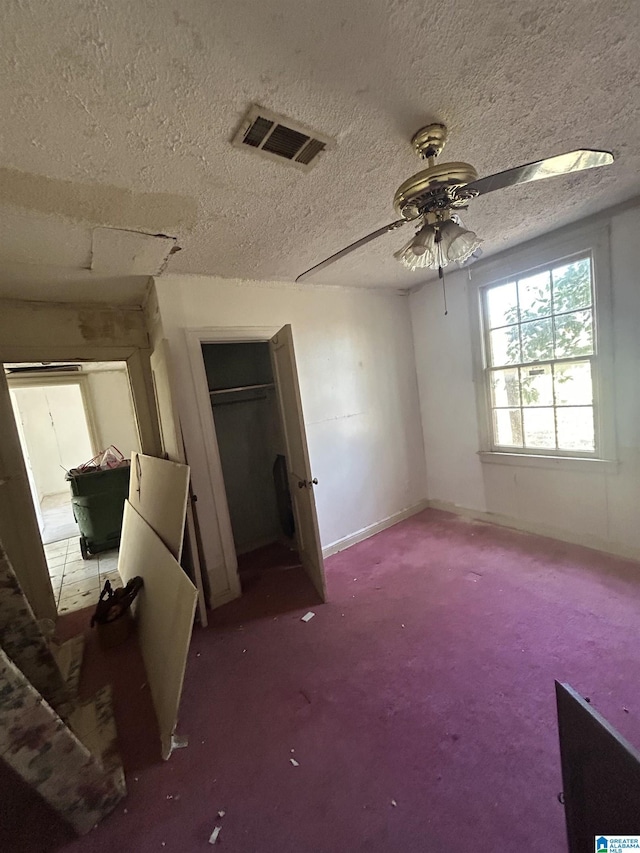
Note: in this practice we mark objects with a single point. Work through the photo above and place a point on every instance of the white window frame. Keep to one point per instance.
(537, 255)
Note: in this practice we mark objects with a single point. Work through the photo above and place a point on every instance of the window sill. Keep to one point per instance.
(557, 463)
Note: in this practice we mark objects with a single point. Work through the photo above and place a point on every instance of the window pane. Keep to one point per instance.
(573, 383)
(574, 334)
(539, 428)
(507, 427)
(537, 385)
(505, 387)
(572, 286)
(502, 305)
(535, 296)
(541, 346)
(537, 340)
(575, 429)
(505, 346)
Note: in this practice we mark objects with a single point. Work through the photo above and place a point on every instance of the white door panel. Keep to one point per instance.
(301, 480)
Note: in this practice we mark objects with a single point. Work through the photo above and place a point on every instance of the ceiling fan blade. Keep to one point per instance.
(563, 164)
(362, 242)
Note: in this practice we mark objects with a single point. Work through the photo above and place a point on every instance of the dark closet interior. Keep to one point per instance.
(252, 451)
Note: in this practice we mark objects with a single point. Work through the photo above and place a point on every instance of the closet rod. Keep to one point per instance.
(217, 403)
(242, 388)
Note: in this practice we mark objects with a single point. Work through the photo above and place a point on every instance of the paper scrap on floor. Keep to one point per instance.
(308, 616)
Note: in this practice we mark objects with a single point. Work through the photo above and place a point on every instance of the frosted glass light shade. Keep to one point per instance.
(420, 251)
(456, 245)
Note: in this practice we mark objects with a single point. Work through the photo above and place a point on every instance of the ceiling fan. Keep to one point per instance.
(432, 198)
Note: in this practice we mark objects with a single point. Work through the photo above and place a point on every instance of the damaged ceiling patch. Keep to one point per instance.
(119, 252)
(102, 204)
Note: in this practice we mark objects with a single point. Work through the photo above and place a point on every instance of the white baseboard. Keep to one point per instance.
(372, 529)
(63, 493)
(586, 540)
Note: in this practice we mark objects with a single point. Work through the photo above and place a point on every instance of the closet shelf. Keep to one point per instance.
(241, 388)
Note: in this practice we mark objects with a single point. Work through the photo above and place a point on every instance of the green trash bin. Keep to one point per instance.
(97, 498)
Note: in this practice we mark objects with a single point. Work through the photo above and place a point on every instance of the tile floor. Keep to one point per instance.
(77, 582)
(57, 516)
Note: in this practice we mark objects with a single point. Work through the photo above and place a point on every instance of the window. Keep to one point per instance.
(540, 359)
(542, 344)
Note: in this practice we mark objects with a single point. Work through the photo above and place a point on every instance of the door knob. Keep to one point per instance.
(307, 483)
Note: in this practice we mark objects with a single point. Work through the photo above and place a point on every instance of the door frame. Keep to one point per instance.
(34, 572)
(195, 338)
(138, 373)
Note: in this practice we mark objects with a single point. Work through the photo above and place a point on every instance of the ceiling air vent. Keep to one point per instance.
(279, 138)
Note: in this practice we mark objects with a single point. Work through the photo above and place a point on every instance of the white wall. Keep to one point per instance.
(599, 508)
(55, 431)
(358, 385)
(33, 411)
(109, 396)
(35, 493)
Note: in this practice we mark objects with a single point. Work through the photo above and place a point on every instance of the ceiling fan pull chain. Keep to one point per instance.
(444, 290)
(438, 241)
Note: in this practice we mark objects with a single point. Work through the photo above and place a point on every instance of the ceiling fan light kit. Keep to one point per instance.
(414, 260)
(432, 197)
(457, 242)
(441, 241)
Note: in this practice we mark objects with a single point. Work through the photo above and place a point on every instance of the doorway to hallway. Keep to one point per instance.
(65, 414)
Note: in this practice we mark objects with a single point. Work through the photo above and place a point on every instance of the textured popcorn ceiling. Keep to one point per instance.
(121, 114)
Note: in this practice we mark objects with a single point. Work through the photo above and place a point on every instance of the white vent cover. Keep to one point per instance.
(279, 138)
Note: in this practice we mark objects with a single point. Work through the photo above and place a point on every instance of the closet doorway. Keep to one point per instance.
(263, 458)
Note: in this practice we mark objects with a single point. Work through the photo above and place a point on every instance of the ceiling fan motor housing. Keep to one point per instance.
(440, 186)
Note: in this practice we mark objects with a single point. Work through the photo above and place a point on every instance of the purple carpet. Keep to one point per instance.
(418, 702)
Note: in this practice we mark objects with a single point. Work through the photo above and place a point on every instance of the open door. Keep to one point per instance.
(18, 525)
(301, 481)
(173, 449)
